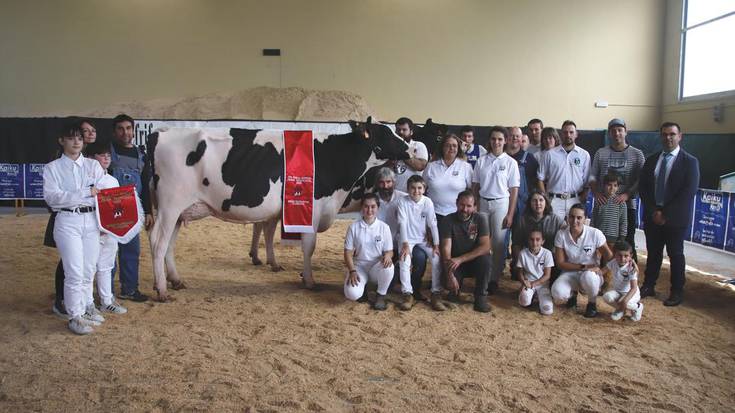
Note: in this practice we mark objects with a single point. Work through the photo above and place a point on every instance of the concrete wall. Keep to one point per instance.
(693, 116)
(474, 61)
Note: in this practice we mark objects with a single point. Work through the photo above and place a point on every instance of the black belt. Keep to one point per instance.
(563, 196)
(79, 210)
(493, 199)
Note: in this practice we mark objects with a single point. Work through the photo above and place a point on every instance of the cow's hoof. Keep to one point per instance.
(255, 259)
(276, 268)
(178, 285)
(311, 286)
(163, 297)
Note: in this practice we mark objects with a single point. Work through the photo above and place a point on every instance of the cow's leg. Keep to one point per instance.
(257, 228)
(270, 232)
(171, 274)
(160, 236)
(308, 244)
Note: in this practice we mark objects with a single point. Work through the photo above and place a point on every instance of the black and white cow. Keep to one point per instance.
(237, 176)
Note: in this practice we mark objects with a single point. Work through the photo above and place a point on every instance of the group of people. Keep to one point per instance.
(70, 183)
(465, 205)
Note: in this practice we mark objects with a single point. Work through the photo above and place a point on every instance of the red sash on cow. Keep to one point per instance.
(298, 191)
(120, 213)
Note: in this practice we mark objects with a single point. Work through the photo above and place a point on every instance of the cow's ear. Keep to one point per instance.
(369, 120)
(429, 122)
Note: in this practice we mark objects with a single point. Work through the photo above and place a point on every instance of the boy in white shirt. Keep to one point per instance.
(108, 244)
(368, 253)
(415, 215)
(536, 262)
(625, 294)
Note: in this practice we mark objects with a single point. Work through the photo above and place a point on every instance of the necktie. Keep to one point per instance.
(661, 180)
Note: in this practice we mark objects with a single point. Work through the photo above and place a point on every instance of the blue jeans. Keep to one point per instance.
(418, 267)
(129, 258)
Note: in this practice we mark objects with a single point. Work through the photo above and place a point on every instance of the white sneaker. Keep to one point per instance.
(79, 326)
(60, 312)
(617, 315)
(637, 313)
(92, 313)
(114, 308)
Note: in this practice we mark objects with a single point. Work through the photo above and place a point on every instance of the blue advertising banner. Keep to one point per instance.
(33, 180)
(730, 234)
(11, 181)
(710, 218)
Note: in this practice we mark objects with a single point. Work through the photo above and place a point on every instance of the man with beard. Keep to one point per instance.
(465, 249)
(534, 128)
(564, 171)
(406, 168)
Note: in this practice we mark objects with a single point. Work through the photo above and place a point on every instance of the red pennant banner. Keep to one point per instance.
(118, 210)
(298, 191)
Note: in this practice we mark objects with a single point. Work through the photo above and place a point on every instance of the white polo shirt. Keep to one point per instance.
(584, 250)
(414, 218)
(368, 241)
(621, 276)
(444, 183)
(403, 171)
(565, 173)
(388, 212)
(534, 265)
(496, 175)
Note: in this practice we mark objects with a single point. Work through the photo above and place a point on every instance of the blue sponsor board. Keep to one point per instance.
(730, 235)
(33, 180)
(11, 181)
(710, 218)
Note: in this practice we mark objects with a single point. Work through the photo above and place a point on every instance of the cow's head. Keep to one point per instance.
(383, 142)
(430, 134)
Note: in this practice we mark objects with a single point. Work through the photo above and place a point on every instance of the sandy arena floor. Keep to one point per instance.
(244, 339)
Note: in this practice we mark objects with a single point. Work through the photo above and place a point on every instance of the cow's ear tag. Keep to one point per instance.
(365, 134)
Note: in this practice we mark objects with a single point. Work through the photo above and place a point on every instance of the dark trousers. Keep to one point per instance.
(59, 281)
(479, 269)
(418, 267)
(129, 257)
(632, 225)
(672, 238)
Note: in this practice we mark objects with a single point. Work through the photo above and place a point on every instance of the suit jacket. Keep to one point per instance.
(680, 189)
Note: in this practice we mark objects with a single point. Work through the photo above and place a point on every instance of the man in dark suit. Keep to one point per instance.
(668, 183)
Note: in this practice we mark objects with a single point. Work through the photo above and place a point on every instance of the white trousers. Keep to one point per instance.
(545, 303)
(77, 239)
(404, 266)
(586, 282)
(496, 210)
(105, 263)
(612, 297)
(369, 271)
(561, 207)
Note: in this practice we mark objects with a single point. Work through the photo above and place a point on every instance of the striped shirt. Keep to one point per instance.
(611, 219)
(627, 164)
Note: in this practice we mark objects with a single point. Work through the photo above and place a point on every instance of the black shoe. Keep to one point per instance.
(572, 302)
(591, 310)
(380, 304)
(492, 287)
(135, 296)
(676, 298)
(482, 304)
(647, 291)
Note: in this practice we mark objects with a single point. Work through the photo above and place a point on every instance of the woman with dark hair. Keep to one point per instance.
(447, 176)
(549, 139)
(537, 215)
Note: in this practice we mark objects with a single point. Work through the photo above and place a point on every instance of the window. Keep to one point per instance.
(708, 42)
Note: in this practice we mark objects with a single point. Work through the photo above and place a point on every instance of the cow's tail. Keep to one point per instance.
(151, 142)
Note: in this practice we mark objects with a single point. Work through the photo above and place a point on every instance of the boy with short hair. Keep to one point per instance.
(108, 245)
(535, 263)
(415, 215)
(625, 294)
(608, 216)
